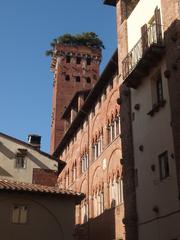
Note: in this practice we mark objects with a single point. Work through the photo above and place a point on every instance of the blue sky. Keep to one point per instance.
(26, 30)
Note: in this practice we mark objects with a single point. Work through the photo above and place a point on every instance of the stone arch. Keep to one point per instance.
(97, 178)
(83, 187)
(57, 225)
(84, 141)
(96, 126)
(114, 165)
(112, 105)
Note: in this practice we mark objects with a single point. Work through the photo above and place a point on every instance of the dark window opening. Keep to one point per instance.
(88, 80)
(88, 61)
(159, 89)
(78, 79)
(78, 60)
(67, 78)
(68, 58)
(164, 165)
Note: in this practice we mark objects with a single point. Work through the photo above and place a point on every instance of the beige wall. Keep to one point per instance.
(155, 134)
(141, 15)
(8, 150)
(49, 217)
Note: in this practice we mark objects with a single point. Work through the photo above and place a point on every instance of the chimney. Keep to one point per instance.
(35, 141)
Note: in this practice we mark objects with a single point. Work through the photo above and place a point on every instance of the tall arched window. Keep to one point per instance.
(115, 191)
(84, 211)
(98, 202)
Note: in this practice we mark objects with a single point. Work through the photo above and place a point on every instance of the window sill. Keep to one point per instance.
(156, 108)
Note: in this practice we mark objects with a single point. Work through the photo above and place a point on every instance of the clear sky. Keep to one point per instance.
(26, 30)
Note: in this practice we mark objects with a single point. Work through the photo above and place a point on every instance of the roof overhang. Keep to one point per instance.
(110, 2)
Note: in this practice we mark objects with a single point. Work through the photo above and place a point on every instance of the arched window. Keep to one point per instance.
(98, 202)
(74, 171)
(84, 162)
(84, 211)
(115, 191)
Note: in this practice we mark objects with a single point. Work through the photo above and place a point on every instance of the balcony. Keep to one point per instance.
(147, 52)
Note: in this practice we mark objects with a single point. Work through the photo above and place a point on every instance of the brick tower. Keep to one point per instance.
(75, 68)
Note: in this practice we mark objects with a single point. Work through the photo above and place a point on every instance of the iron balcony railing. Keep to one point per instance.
(151, 37)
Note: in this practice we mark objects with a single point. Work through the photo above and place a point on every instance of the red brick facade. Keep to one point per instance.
(72, 73)
(91, 149)
(44, 177)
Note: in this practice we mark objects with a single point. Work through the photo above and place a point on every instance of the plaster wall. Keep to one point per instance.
(48, 217)
(141, 15)
(34, 159)
(154, 133)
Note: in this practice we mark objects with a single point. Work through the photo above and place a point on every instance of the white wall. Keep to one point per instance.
(155, 134)
(8, 150)
(48, 217)
(142, 13)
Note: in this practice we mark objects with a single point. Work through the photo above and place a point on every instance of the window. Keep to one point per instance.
(20, 161)
(97, 147)
(19, 214)
(68, 58)
(84, 211)
(88, 61)
(113, 128)
(157, 89)
(163, 165)
(88, 80)
(67, 78)
(74, 171)
(84, 162)
(78, 79)
(115, 191)
(98, 202)
(78, 60)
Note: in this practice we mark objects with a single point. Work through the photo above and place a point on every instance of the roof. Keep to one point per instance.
(83, 92)
(106, 76)
(31, 147)
(14, 186)
(110, 2)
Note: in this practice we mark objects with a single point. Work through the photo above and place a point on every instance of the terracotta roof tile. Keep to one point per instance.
(35, 188)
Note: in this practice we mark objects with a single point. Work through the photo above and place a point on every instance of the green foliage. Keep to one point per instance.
(89, 39)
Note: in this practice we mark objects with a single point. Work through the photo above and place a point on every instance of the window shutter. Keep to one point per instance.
(157, 15)
(144, 35)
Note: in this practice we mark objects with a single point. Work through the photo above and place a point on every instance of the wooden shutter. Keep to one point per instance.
(144, 35)
(157, 15)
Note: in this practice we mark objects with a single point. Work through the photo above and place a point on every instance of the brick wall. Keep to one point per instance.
(63, 91)
(45, 177)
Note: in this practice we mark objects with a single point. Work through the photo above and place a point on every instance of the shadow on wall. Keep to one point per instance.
(101, 227)
(37, 161)
(4, 173)
(6, 151)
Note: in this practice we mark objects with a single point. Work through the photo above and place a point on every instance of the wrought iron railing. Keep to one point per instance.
(152, 36)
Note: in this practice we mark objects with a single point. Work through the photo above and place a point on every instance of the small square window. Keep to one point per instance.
(88, 61)
(68, 58)
(88, 80)
(19, 214)
(78, 79)
(20, 161)
(78, 60)
(67, 78)
(163, 165)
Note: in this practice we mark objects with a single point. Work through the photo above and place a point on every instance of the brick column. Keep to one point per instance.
(171, 23)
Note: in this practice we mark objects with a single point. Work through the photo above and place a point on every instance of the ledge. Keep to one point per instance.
(110, 2)
(156, 108)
